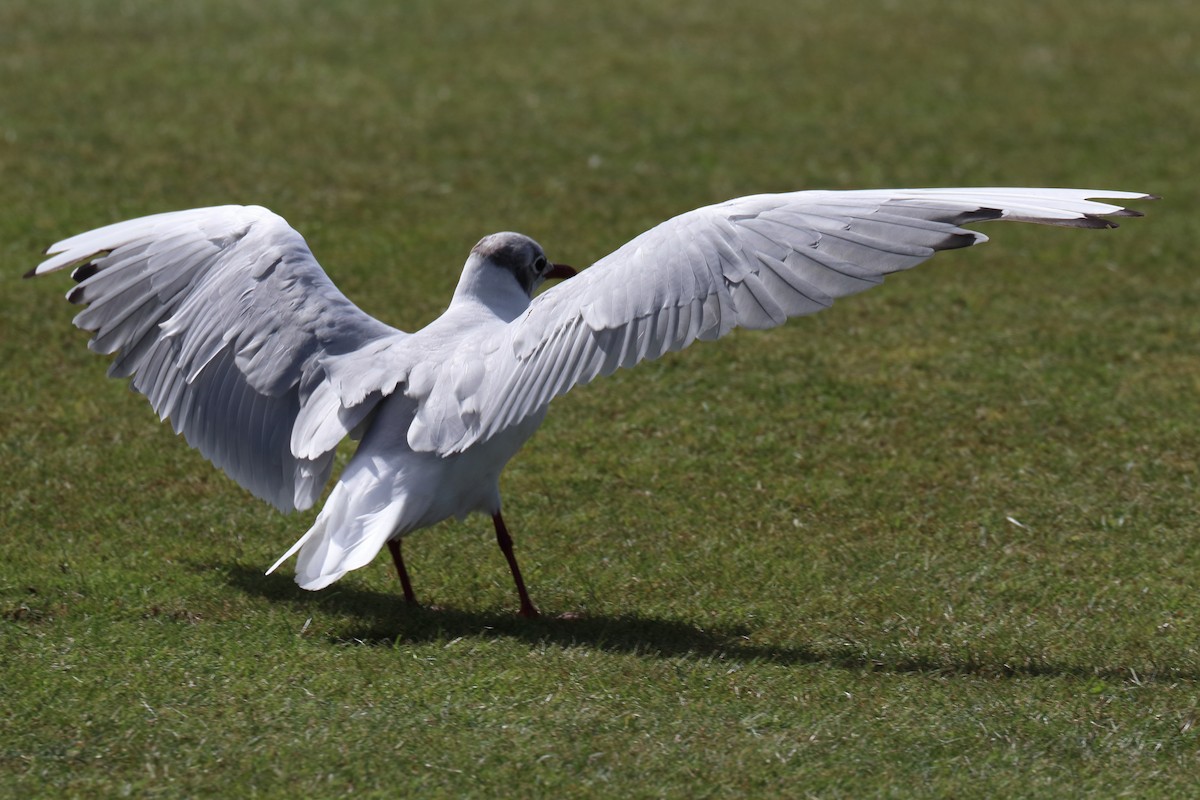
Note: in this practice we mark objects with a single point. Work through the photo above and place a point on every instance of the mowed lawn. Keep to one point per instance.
(939, 541)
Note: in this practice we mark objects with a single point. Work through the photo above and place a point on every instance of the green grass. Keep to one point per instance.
(795, 556)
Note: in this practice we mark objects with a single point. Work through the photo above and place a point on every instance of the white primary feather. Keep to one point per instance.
(224, 320)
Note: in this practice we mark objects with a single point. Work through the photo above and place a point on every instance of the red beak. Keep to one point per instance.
(560, 271)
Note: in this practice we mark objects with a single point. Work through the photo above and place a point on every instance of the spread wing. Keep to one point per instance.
(223, 318)
(752, 262)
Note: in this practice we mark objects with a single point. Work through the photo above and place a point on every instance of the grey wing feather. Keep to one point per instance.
(751, 262)
(223, 318)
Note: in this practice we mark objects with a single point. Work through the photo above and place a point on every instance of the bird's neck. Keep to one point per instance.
(485, 288)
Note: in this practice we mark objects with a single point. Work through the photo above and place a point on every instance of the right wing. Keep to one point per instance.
(752, 262)
(225, 321)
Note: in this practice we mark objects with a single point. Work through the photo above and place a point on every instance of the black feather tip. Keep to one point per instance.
(85, 271)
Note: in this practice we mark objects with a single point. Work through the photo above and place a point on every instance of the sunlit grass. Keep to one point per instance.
(939, 541)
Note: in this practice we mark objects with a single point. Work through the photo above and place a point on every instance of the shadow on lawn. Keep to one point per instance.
(389, 622)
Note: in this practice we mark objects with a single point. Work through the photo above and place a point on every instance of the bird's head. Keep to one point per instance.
(521, 256)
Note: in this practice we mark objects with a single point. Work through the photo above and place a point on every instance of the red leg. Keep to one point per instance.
(506, 546)
(394, 546)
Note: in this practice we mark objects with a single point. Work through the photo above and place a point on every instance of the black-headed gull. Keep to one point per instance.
(224, 320)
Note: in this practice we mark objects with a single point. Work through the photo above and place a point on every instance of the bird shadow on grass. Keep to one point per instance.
(385, 620)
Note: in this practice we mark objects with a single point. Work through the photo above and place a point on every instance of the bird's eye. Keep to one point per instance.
(540, 264)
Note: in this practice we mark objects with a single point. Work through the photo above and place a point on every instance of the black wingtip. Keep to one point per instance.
(85, 271)
(981, 214)
(956, 241)
(1088, 221)
(33, 272)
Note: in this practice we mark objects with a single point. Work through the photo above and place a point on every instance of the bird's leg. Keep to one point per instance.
(506, 546)
(394, 546)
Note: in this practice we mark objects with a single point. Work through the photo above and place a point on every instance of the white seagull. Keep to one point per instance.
(223, 318)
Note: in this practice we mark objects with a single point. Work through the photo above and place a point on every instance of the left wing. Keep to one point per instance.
(225, 321)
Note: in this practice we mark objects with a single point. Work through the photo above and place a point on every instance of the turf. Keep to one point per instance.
(941, 540)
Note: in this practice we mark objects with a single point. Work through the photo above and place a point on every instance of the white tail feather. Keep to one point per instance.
(351, 529)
